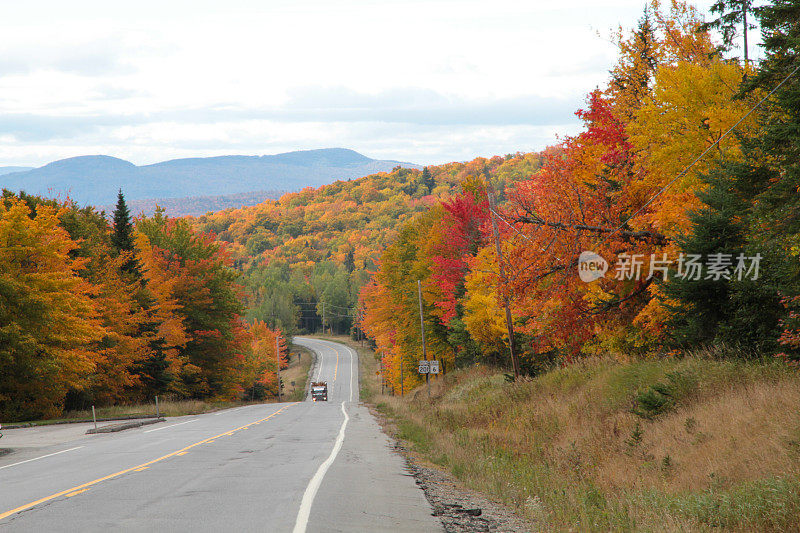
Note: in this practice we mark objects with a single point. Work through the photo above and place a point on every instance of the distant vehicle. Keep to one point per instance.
(319, 391)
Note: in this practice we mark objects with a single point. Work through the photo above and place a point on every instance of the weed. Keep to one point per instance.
(666, 464)
(663, 396)
(636, 437)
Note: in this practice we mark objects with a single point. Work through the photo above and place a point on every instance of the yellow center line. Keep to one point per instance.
(71, 494)
(336, 370)
(80, 488)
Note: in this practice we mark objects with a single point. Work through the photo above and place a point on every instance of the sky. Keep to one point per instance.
(427, 81)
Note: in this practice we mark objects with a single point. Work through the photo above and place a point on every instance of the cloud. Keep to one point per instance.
(425, 107)
(340, 105)
(92, 58)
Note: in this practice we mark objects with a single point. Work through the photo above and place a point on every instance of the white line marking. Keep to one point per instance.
(319, 369)
(171, 426)
(227, 411)
(313, 486)
(352, 352)
(42, 457)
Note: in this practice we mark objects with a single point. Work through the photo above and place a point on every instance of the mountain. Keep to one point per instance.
(96, 179)
(194, 206)
(9, 170)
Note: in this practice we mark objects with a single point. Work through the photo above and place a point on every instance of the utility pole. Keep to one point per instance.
(401, 377)
(422, 327)
(501, 266)
(745, 5)
(323, 318)
(278, 355)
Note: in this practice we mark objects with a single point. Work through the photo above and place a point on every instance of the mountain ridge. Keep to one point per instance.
(96, 179)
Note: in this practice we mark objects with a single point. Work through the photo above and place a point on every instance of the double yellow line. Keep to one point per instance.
(81, 488)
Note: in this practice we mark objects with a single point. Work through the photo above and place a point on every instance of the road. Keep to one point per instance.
(305, 466)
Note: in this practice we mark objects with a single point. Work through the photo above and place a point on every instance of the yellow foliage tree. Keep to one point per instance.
(47, 317)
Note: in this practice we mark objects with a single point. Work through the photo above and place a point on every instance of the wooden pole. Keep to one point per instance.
(401, 377)
(506, 299)
(278, 356)
(422, 327)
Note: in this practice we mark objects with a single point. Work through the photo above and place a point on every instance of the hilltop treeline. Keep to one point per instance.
(698, 229)
(305, 257)
(93, 312)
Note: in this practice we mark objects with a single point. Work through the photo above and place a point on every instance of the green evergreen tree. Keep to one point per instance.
(122, 234)
(122, 237)
(752, 207)
(734, 311)
(731, 14)
(427, 180)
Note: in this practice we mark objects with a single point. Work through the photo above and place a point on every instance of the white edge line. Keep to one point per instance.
(352, 353)
(170, 426)
(42, 457)
(313, 486)
(222, 412)
(319, 366)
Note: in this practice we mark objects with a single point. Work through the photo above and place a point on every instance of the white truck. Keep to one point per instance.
(319, 391)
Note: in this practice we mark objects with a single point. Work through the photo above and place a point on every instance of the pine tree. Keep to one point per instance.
(731, 14)
(732, 311)
(752, 207)
(427, 180)
(122, 235)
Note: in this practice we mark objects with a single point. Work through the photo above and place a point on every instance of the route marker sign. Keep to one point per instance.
(429, 367)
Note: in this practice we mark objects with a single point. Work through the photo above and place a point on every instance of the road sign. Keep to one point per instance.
(434, 369)
(424, 367)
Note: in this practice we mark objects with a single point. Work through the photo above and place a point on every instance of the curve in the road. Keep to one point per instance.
(304, 512)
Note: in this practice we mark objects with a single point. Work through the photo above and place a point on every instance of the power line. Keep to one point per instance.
(698, 158)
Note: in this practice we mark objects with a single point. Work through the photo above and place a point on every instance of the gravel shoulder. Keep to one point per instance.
(460, 509)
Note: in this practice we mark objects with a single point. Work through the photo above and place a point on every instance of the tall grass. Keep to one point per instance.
(674, 444)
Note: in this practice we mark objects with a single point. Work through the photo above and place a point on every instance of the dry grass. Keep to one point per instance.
(297, 373)
(166, 407)
(566, 448)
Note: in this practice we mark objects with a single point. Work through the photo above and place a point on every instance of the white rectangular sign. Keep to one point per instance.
(434, 367)
(424, 367)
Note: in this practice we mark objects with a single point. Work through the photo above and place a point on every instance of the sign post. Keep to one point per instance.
(422, 329)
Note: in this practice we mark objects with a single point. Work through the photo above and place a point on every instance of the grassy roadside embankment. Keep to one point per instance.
(690, 444)
(299, 364)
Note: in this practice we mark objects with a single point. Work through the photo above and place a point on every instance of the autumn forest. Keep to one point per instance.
(683, 185)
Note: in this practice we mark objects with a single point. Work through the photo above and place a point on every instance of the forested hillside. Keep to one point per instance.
(318, 247)
(104, 312)
(93, 312)
(669, 223)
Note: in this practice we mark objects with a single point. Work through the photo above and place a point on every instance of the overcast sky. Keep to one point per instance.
(423, 81)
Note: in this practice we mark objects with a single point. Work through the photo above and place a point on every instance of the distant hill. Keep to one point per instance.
(96, 179)
(9, 170)
(195, 206)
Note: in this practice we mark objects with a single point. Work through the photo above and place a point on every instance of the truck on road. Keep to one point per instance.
(319, 391)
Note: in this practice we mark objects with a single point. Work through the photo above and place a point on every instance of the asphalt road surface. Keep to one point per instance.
(306, 466)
